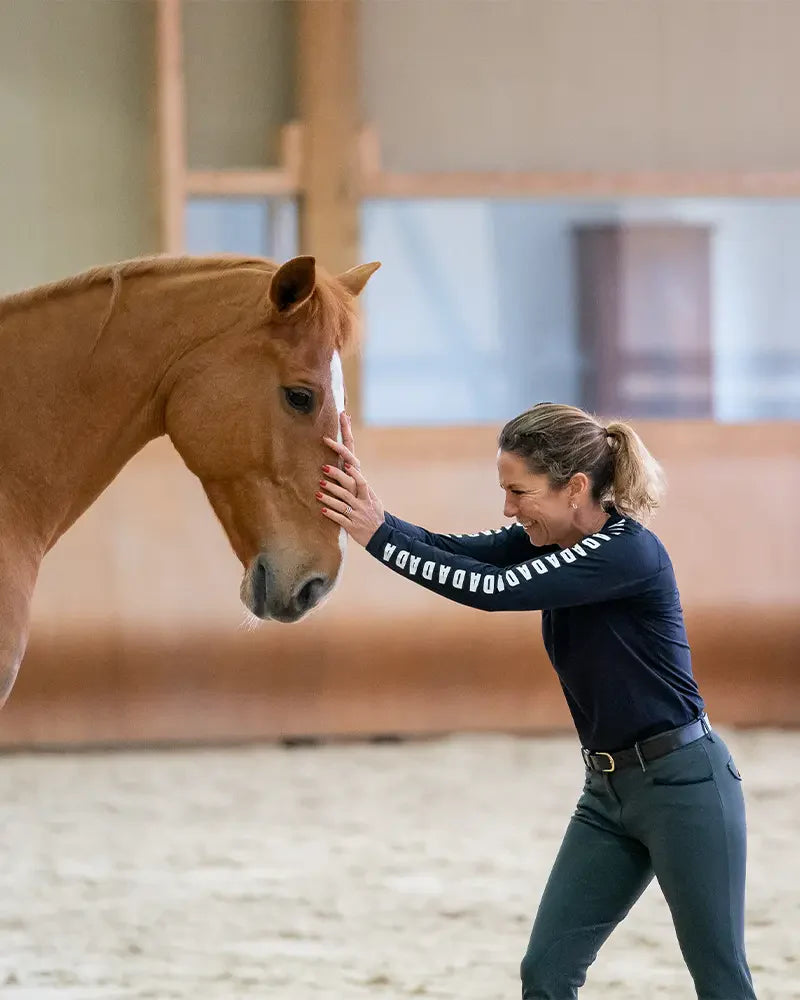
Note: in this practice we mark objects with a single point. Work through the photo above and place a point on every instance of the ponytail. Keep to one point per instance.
(638, 482)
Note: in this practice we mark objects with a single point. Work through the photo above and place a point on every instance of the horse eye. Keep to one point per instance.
(301, 400)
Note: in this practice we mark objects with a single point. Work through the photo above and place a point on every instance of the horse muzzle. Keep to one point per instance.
(269, 595)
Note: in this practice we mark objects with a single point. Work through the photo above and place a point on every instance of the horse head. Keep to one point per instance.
(247, 410)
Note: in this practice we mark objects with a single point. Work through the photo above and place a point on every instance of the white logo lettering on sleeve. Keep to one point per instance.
(402, 558)
(488, 585)
(577, 548)
(524, 571)
(513, 579)
(427, 570)
(474, 581)
(444, 572)
(500, 585)
(413, 565)
(458, 578)
(591, 543)
(388, 551)
(477, 534)
(599, 534)
(539, 566)
(552, 558)
(567, 556)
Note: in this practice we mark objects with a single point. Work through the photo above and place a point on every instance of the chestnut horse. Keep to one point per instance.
(236, 359)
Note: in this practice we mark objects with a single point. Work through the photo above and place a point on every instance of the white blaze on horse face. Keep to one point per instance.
(337, 386)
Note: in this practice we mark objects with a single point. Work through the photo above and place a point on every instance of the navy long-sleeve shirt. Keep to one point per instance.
(611, 615)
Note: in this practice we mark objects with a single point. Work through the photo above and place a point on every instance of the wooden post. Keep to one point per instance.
(171, 125)
(327, 86)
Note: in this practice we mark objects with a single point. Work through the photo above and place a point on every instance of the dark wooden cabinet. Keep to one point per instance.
(644, 301)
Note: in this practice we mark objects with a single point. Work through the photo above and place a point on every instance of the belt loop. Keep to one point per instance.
(639, 755)
(704, 723)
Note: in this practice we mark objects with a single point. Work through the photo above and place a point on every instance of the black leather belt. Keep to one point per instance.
(649, 749)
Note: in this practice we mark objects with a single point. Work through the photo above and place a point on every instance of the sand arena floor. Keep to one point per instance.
(341, 871)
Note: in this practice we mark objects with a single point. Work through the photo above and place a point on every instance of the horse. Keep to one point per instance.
(236, 359)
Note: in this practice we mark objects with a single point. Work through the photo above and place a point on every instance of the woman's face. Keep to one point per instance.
(543, 511)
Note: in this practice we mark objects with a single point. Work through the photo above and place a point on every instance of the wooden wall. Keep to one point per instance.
(137, 636)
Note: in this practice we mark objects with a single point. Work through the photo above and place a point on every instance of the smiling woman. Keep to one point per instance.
(662, 795)
(582, 470)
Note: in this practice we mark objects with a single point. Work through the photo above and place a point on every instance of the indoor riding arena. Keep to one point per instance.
(246, 752)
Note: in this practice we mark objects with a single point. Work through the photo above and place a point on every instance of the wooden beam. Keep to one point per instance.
(240, 183)
(581, 184)
(375, 182)
(277, 182)
(327, 85)
(171, 127)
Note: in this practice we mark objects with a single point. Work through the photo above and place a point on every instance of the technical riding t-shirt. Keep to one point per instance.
(611, 615)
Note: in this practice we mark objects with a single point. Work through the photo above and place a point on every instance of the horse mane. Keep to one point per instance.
(330, 311)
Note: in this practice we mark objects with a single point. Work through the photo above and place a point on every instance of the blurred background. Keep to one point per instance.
(590, 202)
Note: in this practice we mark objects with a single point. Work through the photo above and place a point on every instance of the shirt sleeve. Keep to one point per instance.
(619, 561)
(499, 547)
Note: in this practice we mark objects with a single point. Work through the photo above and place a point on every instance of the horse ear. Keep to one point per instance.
(355, 279)
(292, 284)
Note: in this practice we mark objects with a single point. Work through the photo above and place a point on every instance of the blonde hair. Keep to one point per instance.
(559, 441)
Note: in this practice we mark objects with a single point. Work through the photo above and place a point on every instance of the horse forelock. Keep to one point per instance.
(330, 316)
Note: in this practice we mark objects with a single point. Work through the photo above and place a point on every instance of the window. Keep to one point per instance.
(478, 310)
(262, 227)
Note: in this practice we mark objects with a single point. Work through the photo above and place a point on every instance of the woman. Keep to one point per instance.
(662, 795)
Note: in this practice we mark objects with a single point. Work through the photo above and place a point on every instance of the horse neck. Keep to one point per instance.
(82, 378)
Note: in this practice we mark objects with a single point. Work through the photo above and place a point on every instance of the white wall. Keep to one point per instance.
(239, 66)
(583, 84)
(77, 152)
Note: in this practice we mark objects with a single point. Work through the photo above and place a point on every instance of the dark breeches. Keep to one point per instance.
(681, 819)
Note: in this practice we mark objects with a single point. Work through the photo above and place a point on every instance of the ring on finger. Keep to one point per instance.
(348, 511)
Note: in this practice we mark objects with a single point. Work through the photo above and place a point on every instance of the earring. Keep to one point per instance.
(574, 506)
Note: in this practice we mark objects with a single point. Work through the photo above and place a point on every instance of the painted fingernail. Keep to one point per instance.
(318, 496)
(347, 465)
(324, 510)
(322, 482)
(326, 468)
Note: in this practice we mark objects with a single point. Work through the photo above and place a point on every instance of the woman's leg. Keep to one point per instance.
(696, 835)
(598, 875)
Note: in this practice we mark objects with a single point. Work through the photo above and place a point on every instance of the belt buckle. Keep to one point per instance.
(605, 770)
(587, 754)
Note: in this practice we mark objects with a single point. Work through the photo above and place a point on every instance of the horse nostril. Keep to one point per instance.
(309, 594)
(259, 585)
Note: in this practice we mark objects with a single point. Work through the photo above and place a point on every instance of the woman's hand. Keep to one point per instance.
(346, 496)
